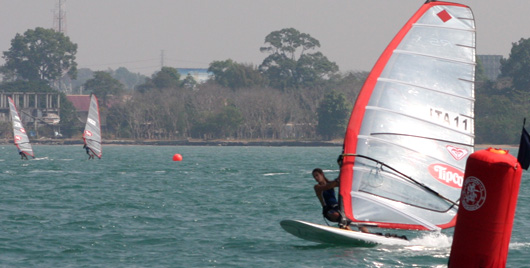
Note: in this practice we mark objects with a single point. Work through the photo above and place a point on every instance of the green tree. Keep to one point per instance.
(219, 125)
(167, 77)
(103, 85)
(189, 82)
(314, 69)
(228, 120)
(289, 63)
(128, 79)
(517, 66)
(83, 74)
(333, 113)
(40, 54)
(235, 75)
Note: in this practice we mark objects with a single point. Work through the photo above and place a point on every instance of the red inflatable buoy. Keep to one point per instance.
(487, 208)
(177, 157)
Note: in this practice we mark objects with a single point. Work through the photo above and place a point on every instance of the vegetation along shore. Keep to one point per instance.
(295, 96)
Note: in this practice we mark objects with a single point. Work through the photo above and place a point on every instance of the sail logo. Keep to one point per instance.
(88, 133)
(473, 194)
(17, 138)
(91, 121)
(447, 175)
(444, 15)
(457, 153)
(22, 130)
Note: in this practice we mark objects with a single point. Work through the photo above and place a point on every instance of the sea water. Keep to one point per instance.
(218, 207)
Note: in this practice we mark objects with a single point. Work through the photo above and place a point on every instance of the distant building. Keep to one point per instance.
(36, 108)
(81, 104)
(492, 65)
(200, 75)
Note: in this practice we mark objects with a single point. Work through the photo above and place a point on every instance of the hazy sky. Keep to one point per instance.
(193, 33)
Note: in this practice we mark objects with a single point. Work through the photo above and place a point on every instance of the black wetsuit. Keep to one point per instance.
(331, 204)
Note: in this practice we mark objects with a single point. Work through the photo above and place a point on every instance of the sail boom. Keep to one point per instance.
(414, 219)
(378, 168)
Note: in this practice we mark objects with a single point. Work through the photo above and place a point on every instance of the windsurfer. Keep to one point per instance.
(90, 154)
(325, 192)
(22, 155)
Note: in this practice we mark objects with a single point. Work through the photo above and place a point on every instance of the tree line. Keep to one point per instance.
(278, 99)
(295, 93)
(501, 105)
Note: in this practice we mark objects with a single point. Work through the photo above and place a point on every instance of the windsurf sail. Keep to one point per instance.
(19, 132)
(412, 126)
(92, 133)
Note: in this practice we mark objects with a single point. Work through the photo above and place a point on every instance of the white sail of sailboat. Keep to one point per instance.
(92, 133)
(19, 132)
(412, 126)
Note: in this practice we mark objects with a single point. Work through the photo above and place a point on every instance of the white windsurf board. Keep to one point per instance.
(333, 235)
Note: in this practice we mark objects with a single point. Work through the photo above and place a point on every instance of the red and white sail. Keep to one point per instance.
(412, 126)
(92, 133)
(19, 132)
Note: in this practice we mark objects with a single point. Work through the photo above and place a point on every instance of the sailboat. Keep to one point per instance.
(411, 129)
(92, 133)
(19, 133)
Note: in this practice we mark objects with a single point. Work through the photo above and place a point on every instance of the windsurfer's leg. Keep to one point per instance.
(333, 216)
(363, 229)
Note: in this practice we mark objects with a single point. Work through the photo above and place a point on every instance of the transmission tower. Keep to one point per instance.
(59, 17)
(161, 59)
(64, 83)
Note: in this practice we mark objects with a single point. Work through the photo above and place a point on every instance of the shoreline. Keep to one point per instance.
(189, 142)
(278, 143)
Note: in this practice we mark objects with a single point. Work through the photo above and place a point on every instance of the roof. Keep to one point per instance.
(80, 102)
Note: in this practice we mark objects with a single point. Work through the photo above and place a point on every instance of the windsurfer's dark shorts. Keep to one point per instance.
(330, 210)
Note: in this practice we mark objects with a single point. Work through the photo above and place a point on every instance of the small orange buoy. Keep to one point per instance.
(177, 157)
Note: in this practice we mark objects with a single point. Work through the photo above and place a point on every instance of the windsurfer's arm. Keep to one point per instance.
(321, 188)
(318, 192)
(329, 185)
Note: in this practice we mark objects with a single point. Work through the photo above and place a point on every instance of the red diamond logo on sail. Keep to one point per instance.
(457, 153)
(88, 133)
(22, 130)
(17, 137)
(444, 16)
